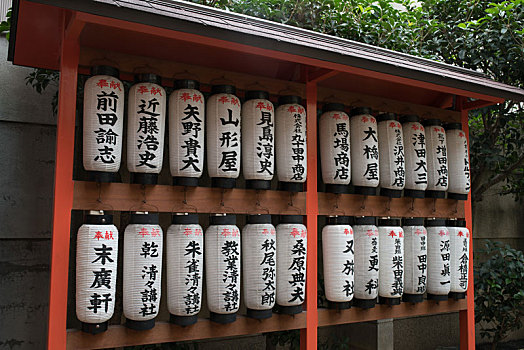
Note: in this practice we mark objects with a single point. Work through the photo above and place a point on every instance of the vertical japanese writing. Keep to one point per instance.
(231, 255)
(398, 269)
(102, 278)
(191, 126)
(370, 149)
(421, 261)
(418, 140)
(229, 138)
(148, 111)
(150, 271)
(268, 271)
(193, 251)
(398, 155)
(341, 146)
(298, 281)
(463, 264)
(297, 143)
(467, 185)
(372, 284)
(442, 159)
(445, 257)
(107, 107)
(348, 269)
(265, 140)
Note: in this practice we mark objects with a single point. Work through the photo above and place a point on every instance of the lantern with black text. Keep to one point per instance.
(259, 250)
(185, 266)
(258, 151)
(96, 271)
(222, 251)
(339, 268)
(146, 124)
(392, 161)
(439, 273)
(103, 123)
(415, 260)
(334, 148)
(187, 121)
(364, 151)
(291, 150)
(223, 136)
(291, 264)
(143, 245)
(458, 162)
(415, 156)
(391, 261)
(366, 262)
(436, 150)
(459, 263)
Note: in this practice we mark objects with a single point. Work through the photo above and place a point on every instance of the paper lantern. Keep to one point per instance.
(223, 136)
(458, 162)
(415, 260)
(146, 125)
(459, 263)
(338, 259)
(334, 148)
(415, 156)
(103, 123)
(259, 250)
(364, 151)
(258, 149)
(291, 146)
(291, 264)
(187, 121)
(437, 159)
(391, 261)
(96, 271)
(366, 262)
(222, 251)
(438, 285)
(392, 159)
(185, 267)
(143, 245)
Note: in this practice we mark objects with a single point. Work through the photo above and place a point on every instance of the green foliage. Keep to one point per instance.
(499, 291)
(5, 26)
(40, 79)
(289, 338)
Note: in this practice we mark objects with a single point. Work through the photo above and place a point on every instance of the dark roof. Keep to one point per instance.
(202, 20)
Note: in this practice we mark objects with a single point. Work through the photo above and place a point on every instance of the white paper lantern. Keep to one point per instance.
(143, 245)
(438, 285)
(96, 271)
(222, 251)
(391, 261)
(338, 259)
(103, 123)
(437, 158)
(258, 149)
(392, 159)
(415, 156)
(291, 264)
(334, 148)
(187, 121)
(458, 162)
(146, 125)
(366, 262)
(291, 146)
(223, 136)
(415, 260)
(259, 250)
(185, 268)
(459, 264)
(364, 151)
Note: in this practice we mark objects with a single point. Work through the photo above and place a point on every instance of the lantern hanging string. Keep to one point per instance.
(434, 205)
(144, 204)
(258, 207)
(291, 205)
(185, 206)
(222, 207)
(388, 204)
(336, 209)
(363, 204)
(412, 204)
(456, 207)
(100, 205)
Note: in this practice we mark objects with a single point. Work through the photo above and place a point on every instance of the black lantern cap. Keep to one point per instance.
(186, 84)
(223, 89)
(413, 222)
(333, 106)
(365, 220)
(291, 219)
(223, 220)
(148, 78)
(179, 219)
(386, 116)
(105, 70)
(453, 126)
(338, 220)
(259, 219)
(360, 110)
(257, 95)
(456, 223)
(432, 122)
(388, 222)
(102, 219)
(149, 218)
(435, 222)
(289, 99)
(408, 118)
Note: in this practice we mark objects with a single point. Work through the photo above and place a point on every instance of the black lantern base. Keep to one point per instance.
(458, 196)
(223, 182)
(185, 181)
(366, 191)
(436, 297)
(223, 318)
(183, 320)
(457, 295)
(101, 176)
(412, 298)
(435, 194)
(365, 303)
(339, 305)
(140, 325)
(389, 301)
(291, 186)
(94, 328)
(289, 310)
(144, 178)
(258, 184)
(414, 193)
(338, 189)
(387, 192)
(259, 314)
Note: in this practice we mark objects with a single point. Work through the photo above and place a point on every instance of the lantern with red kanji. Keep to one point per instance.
(187, 121)
(185, 268)
(146, 124)
(223, 136)
(415, 156)
(96, 271)
(339, 268)
(458, 162)
(437, 158)
(415, 260)
(103, 121)
(291, 264)
(391, 261)
(259, 264)
(222, 251)
(334, 148)
(459, 263)
(366, 262)
(291, 147)
(143, 245)
(392, 160)
(439, 270)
